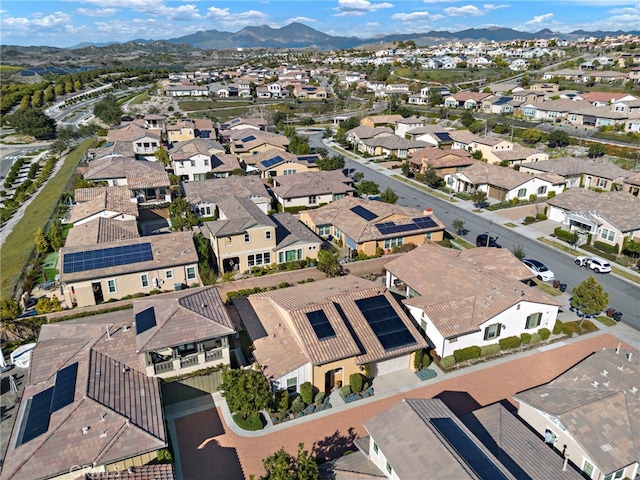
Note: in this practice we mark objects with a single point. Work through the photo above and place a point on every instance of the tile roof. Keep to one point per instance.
(211, 190)
(438, 158)
(407, 436)
(195, 146)
(363, 132)
(633, 179)
(518, 152)
(169, 250)
(247, 139)
(603, 96)
(117, 148)
(119, 411)
(91, 201)
(237, 215)
(312, 183)
(272, 153)
(224, 162)
(132, 132)
(393, 142)
(386, 119)
(291, 340)
(161, 471)
(340, 215)
(183, 317)
(563, 105)
(571, 166)
(101, 230)
(147, 180)
(291, 231)
(598, 402)
(461, 292)
(476, 96)
(109, 168)
(482, 173)
(619, 208)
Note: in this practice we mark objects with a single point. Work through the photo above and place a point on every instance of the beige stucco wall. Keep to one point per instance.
(235, 246)
(348, 366)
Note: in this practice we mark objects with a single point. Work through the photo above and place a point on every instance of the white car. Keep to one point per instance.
(539, 269)
(598, 265)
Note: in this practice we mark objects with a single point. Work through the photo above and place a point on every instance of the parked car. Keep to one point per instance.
(539, 269)
(598, 265)
(484, 240)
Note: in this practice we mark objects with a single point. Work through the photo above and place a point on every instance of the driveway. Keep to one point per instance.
(209, 449)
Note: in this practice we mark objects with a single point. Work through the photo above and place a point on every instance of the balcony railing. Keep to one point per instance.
(189, 360)
(162, 367)
(215, 354)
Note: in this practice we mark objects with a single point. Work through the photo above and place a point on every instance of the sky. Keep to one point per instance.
(65, 23)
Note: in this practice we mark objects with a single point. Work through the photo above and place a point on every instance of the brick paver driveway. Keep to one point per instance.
(208, 450)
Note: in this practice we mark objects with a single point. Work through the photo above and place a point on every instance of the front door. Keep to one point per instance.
(97, 292)
(330, 379)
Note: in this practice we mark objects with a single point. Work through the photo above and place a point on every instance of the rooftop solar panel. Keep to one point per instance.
(467, 449)
(321, 325)
(388, 327)
(363, 213)
(272, 161)
(248, 139)
(145, 320)
(308, 158)
(64, 389)
(425, 222)
(106, 257)
(35, 419)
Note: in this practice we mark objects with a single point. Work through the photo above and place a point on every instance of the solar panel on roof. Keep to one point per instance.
(387, 326)
(467, 449)
(64, 389)
(363, 212)
(272, 161)
(320, 323)
(35, 419)
(425, 222)
(145, 320)
(106, 257)
(308, 158)
(248, 139)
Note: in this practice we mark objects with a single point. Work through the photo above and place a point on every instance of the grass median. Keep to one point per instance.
(18, 247)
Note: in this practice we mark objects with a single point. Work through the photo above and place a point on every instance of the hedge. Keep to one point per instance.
(448, 361)
(557, 327)
(491, 349)
(562, 234)
(509, 342)
(306, 392)
(355, 382)
(544, 333)
(468, 353)
(252, 422)
(535, 338)
(605, 247)
(525, 338)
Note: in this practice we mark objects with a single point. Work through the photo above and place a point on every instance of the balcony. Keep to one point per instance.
(212, 355)
(189, 360)
(162, 367)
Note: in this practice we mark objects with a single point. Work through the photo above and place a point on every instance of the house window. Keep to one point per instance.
(607, 234)
(168, 274)
(289, 171)
(191, 273)
(587, 468)
(375, 448)
(338, 196)
(542, 190)
(267, 235)
(206, 162)
(187, 348)
(389, 469)
(338, 233)
(292, 385)
(290, 256)
(247, 237)
(602, 183)
(522, 192)
(614, 476)
(144, 279)
(313, 199)
(193, 163)
(324, 230)
(259, 259)
(111, 286)
(533, 320)
(492, 331)
(392, 242)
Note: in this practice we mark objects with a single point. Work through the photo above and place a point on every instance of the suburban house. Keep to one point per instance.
(95, 273)
(101, 230)
(248, 142)
(144, 141)
(609, 217)
(309, 91)
(374, 121)
(591, 413)
(500, 105)
(72, 419)
(467, 100)
(402, 127)
(184, 331)
(243, 237)
(115, 170)
(155, 122)
(205, 194)
(582, 172)
(183, 130)
(503, 183)
(390, 146)
(496, 150)
(118, 148)
(312, 188)
(369, 226)
(361, 133)
(434, 135)
(193, 159)
(322, 332)
(240, 123)
(554, 110)
(442, 161)
(597, 117)
(277, 163)
(632, 185)
(106, 202)
(490, 440)
(471, 298)
(186, 90)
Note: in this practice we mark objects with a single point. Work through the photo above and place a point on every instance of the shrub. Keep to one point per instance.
(367, 370)
(562, 234)
(569, 328)
(525, 338)
(355, 382)
(306, 392)
(491, 349)
(468, 353)
(345, 390)
(319, 400)
(544, 333)
(252, 422)
(164, 456)
(532, 197)
(282, 400)
(509, 342)
(541, 216)
(426, 361)
(417, 359)
(557, 327)
(535, 338)
(529, 220)
(297, 405)
(551, 194)
(448, 361)
(605, 247)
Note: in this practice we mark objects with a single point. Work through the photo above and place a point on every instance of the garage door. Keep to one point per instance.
(391, 365)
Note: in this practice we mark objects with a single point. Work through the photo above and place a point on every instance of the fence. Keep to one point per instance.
(191, 387)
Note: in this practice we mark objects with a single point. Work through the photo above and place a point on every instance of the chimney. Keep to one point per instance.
(428, 211)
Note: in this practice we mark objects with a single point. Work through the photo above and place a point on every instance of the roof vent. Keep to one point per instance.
(85, 430)
(273, 335)
(97, 373)
(595, 384)
(606, 384)
(606, 447)
(103, 434)
(604, 373)
(103, 417)
(204, 305)
(545, 394)
(629, 355)
(125, 328)
(575, 379)
(621, 367)
(633, 390)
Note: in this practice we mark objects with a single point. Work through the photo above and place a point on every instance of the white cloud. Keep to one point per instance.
(300, 20)
(100, 12)
(227, 19)
(38, 21)
(347, 8)
(488, 7)
(466, 11)
(416, 16)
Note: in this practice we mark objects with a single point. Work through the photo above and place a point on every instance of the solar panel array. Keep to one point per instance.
(272, 161)
(320, 323)
(106, 257)
(248, 139)
(308, 158)
(37, 413)
(467, 449)
(362, 212)
(145, 320)
(418, 223)
(388, 327)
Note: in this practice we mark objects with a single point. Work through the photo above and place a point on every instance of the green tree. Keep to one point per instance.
(477, 155)
(367, 187)
(34, 122)
(558, 138)
(518, 252)
(162, 155)
(328, 263)
(108, 110)
(531, 136)
(589, 297)
(389, 196)
(9, 309)
(431, 178)
(54, 236)
(458, 225)
(335, 162)
(406, 168)
(42, 245)
(246, 391)
(283, 466)
(181, 215)
(596, 150)
(479, 197)
(467, 118)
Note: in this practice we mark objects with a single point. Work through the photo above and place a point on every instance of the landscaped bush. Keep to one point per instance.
(345, 390)
(468, 353)
(551, 194)
(252, 422)
(605, 247)
(417, 359)
(509, 342)
(448, 361)
(297, 405)
(544, 333)
(319, 400)
(306, 392)
(491, 349)
(541, 216)
(529, 220)
(557, 327)
(535, 338)
(569, 328)
(355, 382)
(525, 338)
(562, 234)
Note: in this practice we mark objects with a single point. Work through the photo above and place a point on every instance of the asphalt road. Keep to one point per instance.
(623, 295)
